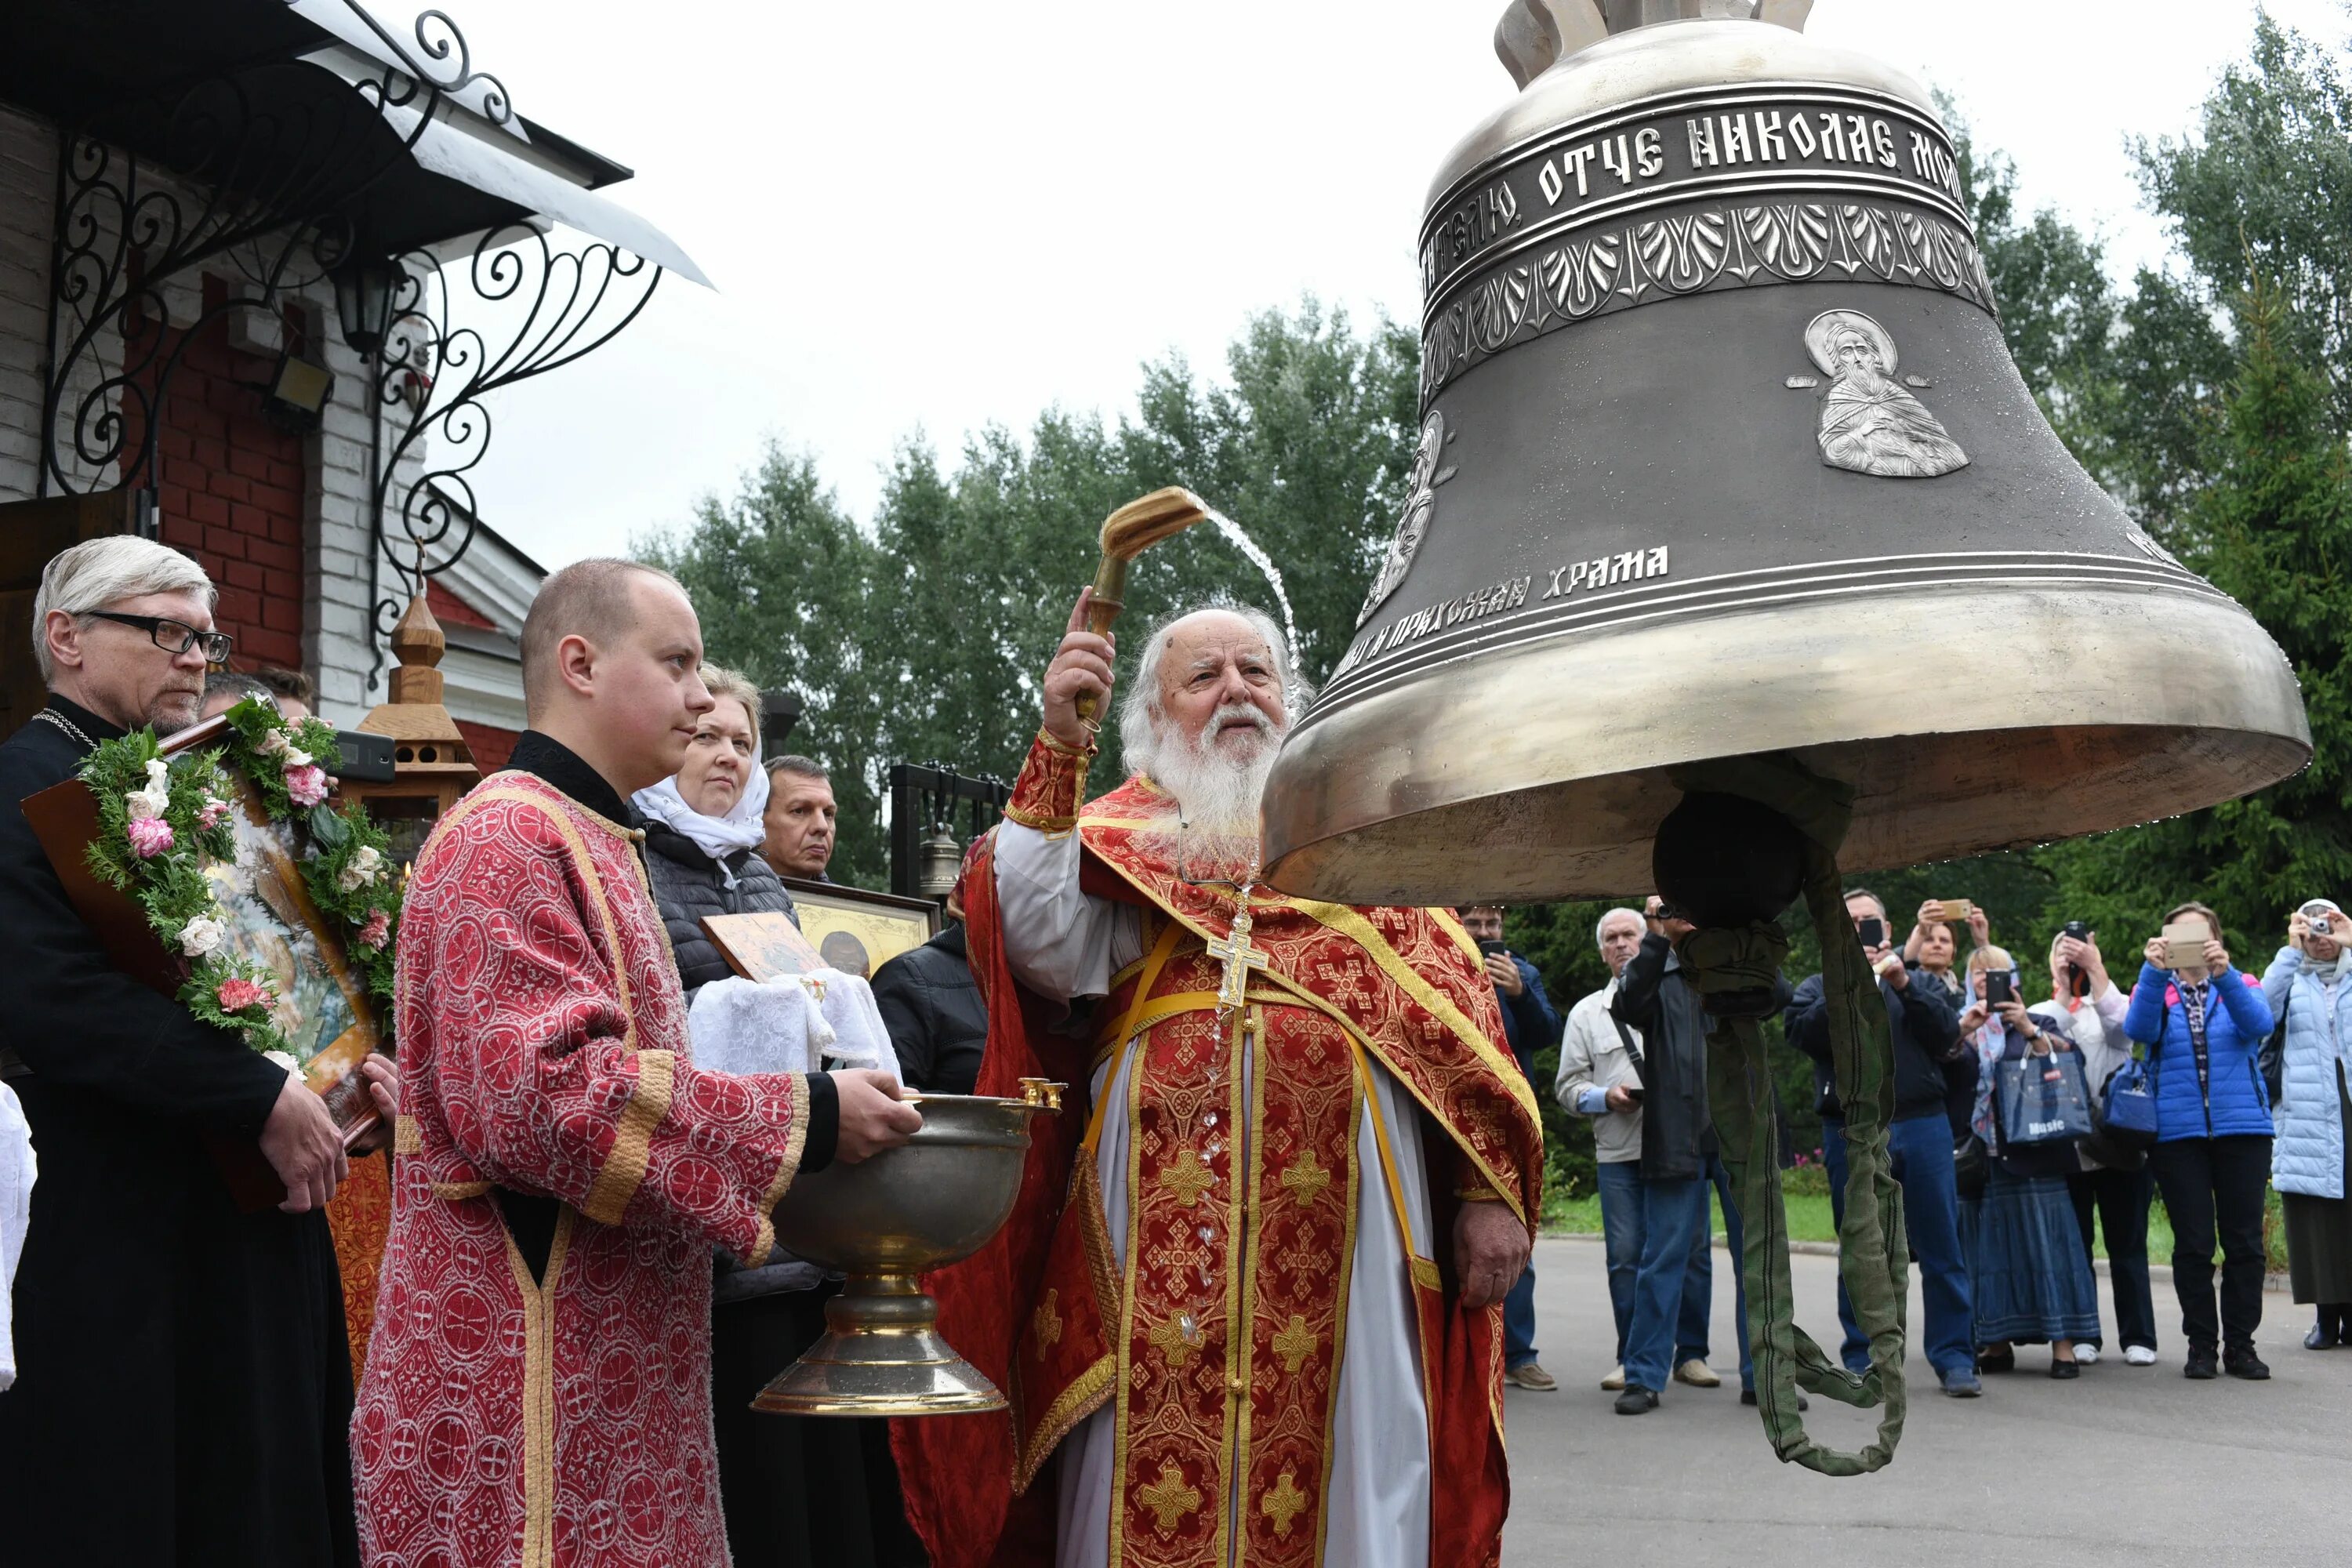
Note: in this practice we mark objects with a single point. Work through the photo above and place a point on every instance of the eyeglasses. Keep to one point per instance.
(173, 637)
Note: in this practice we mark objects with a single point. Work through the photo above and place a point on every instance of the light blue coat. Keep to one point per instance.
(2308, 1157)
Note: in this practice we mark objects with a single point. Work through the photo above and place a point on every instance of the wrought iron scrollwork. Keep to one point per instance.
(517, 308)
(252, 170)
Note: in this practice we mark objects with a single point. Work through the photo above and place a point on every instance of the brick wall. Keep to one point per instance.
(229, 484)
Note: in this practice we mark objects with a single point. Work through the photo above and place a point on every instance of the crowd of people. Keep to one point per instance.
(582, 1290)
(2004, 1214)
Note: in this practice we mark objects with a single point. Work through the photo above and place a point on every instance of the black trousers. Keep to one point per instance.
(2209, 1184)
(799, 1491)
(2117, 1202)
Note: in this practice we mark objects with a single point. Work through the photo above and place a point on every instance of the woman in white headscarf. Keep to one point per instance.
(703, 831)
(2312, 1113)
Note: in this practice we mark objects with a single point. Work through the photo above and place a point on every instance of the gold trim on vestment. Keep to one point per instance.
(1364, 1104)
(763, 1245)
(539, 1390)
(407, 1138)
(1247, 1024)
(1359, 930)
(624, 1170)
(1081, 1399)
(457, 1192)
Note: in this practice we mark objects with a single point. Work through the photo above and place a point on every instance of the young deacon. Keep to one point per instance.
(538, 1387)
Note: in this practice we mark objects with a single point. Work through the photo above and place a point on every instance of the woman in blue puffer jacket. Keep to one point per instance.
(2205, 1024)
(2306, 987)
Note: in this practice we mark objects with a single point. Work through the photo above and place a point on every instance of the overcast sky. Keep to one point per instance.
(934, 215)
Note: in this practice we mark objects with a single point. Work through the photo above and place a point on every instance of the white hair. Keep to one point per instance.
(1601, 926)
(1143, 739)
(101, 572)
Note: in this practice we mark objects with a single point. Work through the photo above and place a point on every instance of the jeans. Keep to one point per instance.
(1672, 1212)
(2119, 1201)
(1519, 1322)
(1623, 1227)
(2210, 1184)
(1919, 1151)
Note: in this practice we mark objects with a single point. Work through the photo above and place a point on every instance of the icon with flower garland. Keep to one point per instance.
(284, 908)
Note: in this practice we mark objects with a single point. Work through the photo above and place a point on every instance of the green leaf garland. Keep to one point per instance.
(161, 820)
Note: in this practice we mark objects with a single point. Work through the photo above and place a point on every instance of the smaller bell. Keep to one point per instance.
(938, 863)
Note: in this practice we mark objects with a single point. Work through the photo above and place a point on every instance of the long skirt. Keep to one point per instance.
(2319, 1231)
(2031, 1282)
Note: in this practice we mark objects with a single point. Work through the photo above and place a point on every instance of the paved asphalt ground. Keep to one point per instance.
(2132, 1467)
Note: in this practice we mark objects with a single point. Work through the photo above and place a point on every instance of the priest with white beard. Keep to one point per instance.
(1249, 1304)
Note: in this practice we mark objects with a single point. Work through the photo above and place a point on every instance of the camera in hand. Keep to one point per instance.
(1997, 989)
(1873, 930)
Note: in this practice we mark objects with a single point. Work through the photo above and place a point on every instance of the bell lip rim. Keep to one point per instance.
(1479, 145)
(2255, 695)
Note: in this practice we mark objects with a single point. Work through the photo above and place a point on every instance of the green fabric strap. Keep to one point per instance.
(1872, 1253)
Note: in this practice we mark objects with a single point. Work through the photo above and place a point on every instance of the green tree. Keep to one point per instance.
(923, 638)
(785, 582)
(2273, 529)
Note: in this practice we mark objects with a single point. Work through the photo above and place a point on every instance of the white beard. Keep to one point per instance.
(1213, 834)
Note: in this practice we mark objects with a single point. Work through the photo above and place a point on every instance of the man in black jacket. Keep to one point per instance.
(932, 1007)
(162, 1335)
(1925, 1031)
(1678, 1145)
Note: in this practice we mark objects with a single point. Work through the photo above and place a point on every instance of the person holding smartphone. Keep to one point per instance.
(1925, 1024)
(2309, 1164)
(2029, 1282)
(2113, 1189)
(2204, 1024)
(1530, 1024)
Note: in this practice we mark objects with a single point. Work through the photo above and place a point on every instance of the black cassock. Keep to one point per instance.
(184, 1392)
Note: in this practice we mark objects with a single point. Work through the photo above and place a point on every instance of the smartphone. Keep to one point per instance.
(1491, 949)
(2184, 942)
(1634, 1093)
(1872, 929)
(1997, 989)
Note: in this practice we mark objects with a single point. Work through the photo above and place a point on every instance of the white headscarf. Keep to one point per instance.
(716, 836)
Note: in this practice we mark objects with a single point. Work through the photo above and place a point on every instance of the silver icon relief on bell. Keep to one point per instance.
(1420, 507)
(1871, 424)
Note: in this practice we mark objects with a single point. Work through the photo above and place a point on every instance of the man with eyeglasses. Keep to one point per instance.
(194, 1350)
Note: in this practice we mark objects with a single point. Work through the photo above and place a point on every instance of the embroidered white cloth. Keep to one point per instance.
(16, 1172)
(792, 1023)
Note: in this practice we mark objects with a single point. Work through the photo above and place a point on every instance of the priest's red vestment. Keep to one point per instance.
(563, 1421)
(1217, 1342)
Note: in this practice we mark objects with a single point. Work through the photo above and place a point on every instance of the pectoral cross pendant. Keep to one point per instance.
(1238, 956)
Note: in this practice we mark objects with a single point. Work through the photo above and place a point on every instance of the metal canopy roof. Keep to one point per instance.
(129, 71)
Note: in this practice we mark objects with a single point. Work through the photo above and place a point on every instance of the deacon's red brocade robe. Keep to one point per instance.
(508, 1422)
(1225, 1324)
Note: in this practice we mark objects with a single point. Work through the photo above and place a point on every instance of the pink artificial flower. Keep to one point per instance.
(149, 836)
(307, 785)
(378, 930)
(237, 994)
(213, 813)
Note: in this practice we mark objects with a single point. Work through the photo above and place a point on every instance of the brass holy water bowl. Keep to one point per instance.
(882, 1222)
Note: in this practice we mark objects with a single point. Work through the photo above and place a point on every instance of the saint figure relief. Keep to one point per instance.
(1419, 505)
(1870, 422)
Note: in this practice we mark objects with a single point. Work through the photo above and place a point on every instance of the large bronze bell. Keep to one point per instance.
(1722, 452)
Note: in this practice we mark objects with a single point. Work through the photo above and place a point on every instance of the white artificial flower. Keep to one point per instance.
(202, 935)
(159, 778)
(144, 803)
(296, 757)
(364, 868)
(272, 742)
(285, 1059)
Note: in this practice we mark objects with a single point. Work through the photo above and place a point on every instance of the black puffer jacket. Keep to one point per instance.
(931, 1005)
(688, 885)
